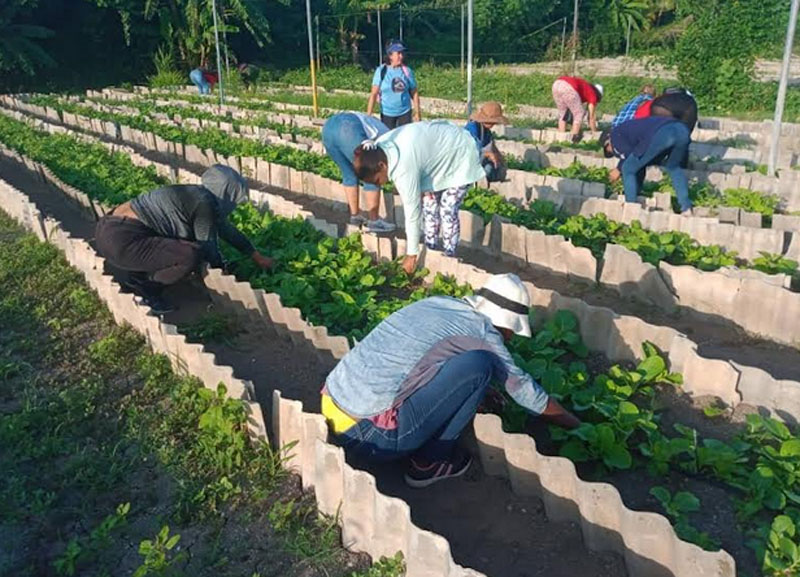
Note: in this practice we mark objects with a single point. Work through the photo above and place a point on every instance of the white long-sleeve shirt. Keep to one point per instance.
(428, 157)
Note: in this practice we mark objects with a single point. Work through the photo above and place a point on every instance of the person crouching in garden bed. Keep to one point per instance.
(570, 93)
(415, 382)
(480, 127)
(341, 135)
(431, 165)
(204, 80)
(643, 142)
(163, 236)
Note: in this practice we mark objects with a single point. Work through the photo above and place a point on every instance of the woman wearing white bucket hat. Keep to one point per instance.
(415, 382)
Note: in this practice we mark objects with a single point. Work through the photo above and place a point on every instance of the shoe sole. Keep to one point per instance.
(421, 484)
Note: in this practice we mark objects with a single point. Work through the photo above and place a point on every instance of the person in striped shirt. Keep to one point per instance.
(628, 111)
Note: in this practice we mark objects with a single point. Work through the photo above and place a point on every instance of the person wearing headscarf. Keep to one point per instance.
(162, 236)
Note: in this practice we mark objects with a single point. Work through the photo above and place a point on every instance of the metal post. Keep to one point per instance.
(219, 58)
(401, 23)
(469, 57)
(575, 38)
(319, 58)
(311, 59)
(628, 39)
(784, 81)
(462, 43)
(380, 39)
(225, 43)
(563, 37)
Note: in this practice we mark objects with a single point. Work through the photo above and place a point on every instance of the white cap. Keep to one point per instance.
(506, 302)
(599, 88)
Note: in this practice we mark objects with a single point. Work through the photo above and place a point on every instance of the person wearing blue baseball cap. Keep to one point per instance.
(395, 87)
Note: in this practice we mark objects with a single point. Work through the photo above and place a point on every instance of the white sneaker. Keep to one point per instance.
(687, 212)
(357, 219)
(380, 225)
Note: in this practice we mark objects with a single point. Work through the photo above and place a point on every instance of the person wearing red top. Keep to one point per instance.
(570, 93)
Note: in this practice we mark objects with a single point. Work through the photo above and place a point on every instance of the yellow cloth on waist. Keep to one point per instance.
(338, 420)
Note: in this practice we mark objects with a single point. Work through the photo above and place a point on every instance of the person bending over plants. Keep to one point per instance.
(570, 93)
(676, 103)
(341, 135)
(164, 235)
(434, 161)
(415, 382)
(628, 111)
(480, 127)
(204, 79)
(642, 142)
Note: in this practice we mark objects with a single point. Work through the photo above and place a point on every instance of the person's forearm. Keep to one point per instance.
(371, 103)
(417, 106)
(558, 415)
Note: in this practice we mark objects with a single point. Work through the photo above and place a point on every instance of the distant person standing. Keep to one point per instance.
(570, 93)
(203, 79)
(628, 111)
(395, 87)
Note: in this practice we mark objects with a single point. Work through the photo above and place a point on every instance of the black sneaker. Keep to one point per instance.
(419, 476)
(158, 306)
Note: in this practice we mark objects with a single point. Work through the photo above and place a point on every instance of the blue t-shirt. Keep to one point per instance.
(395, 89)
(483, 136)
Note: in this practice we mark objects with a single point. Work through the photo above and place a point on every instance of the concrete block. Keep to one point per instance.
(279, 175)
(594, 189)
(358, 509)
(429, 555)
(329, 477)
(625, 271)
(752, 219)
(513, 240)
(704, 376)
(786, 222)
(728, 214)
(296, 180)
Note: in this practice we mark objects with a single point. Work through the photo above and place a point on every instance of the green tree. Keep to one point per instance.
(19, 41)
(187, 26)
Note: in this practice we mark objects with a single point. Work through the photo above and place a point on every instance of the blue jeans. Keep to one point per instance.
(430, 421)
(341, 135)
(671, 140)
(196, 76)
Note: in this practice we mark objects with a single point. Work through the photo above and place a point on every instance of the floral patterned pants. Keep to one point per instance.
(440, 211)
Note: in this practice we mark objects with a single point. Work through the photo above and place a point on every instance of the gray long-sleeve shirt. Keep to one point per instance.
(198, 213)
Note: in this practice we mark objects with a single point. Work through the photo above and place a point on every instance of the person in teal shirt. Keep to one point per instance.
(432, 159)
(395, 86)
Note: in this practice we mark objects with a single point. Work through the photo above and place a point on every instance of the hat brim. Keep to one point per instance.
(478, 117)
(500, 317)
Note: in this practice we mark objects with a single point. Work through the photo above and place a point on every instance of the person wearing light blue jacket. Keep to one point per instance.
(395, 87)
(424, 158)
(416, 381)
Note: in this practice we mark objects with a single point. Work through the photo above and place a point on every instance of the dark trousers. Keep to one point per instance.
(153, 261)
(395, 121)
(430, 421)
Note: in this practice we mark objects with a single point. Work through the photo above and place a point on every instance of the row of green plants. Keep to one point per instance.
(102, 175)
(595, 232)
(149, 107)
(211, 138)
(702, 194)
(621, 430)
(152, 453)
(336, 284)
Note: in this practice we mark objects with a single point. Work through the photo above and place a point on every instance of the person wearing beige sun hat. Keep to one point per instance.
(480, 127)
